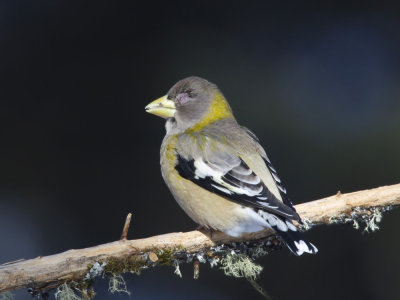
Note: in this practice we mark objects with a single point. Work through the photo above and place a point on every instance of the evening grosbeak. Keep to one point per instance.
(216, 169)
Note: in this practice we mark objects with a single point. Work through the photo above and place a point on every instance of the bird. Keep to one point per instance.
(217, 170)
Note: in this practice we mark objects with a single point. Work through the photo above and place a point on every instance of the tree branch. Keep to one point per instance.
(44, 273)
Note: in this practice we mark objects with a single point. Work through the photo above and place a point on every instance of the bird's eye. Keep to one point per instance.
(189, 92)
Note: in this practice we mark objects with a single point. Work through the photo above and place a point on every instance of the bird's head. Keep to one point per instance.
(191, 104)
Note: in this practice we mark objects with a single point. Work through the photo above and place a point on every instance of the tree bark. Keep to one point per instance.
(44, 273)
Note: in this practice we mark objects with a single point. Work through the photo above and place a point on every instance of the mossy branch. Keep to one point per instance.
(81, 266)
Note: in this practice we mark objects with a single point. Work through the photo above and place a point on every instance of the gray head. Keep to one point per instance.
(188, 102)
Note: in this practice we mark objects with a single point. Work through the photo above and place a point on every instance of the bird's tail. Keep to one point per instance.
(288, 232)
(296, 242)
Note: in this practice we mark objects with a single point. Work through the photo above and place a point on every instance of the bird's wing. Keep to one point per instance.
(223, 171)
(271, 170)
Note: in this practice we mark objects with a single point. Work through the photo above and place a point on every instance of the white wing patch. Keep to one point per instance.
(226, 191)
(273, 221)
(203, 170)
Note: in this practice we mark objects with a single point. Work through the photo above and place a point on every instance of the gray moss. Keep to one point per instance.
(235, 260)
(65, 292)
(117, 284)
(97, 269)
(177, 269)
(373, 220)
(361, 218)
(307, 224)
(240, 265)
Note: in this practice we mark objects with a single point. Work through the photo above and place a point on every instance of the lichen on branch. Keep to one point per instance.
(363, 208)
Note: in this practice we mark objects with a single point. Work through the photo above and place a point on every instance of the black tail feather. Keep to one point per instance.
(296, 242)
(288, 232)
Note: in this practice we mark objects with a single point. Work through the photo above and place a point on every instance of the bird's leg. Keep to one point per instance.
(201, 227)
(207, 229)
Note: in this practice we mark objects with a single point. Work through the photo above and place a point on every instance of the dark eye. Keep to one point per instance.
(190, 93)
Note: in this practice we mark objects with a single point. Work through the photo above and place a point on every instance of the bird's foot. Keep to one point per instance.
(206, 229)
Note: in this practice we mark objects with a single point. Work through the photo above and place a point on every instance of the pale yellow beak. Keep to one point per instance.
(162, 107)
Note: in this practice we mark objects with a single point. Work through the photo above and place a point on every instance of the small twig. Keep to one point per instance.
(13, 262)
(259, 288)
(196, 269)
(124, 234)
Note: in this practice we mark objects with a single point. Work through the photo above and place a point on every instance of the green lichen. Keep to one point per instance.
(65, 292)
(373, 220)
(306, 225)
(361, 217)
(229, 257)
(118, 266)
(115, 266)
(177, 269)
(338, 219)
(117, 284)
(165, 257)
(240, 265)
(136, 263)
(259, 251)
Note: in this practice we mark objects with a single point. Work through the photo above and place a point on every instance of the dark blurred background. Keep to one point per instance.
(317, 82)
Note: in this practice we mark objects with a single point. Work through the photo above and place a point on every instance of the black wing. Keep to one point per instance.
(237, 183)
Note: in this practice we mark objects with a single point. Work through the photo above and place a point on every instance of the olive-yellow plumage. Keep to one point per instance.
(219, 110)
(216, 169)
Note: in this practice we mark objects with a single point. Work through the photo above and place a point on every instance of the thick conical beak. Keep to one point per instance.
(162, 107)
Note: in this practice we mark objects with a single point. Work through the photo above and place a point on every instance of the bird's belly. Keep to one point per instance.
(211, 210)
